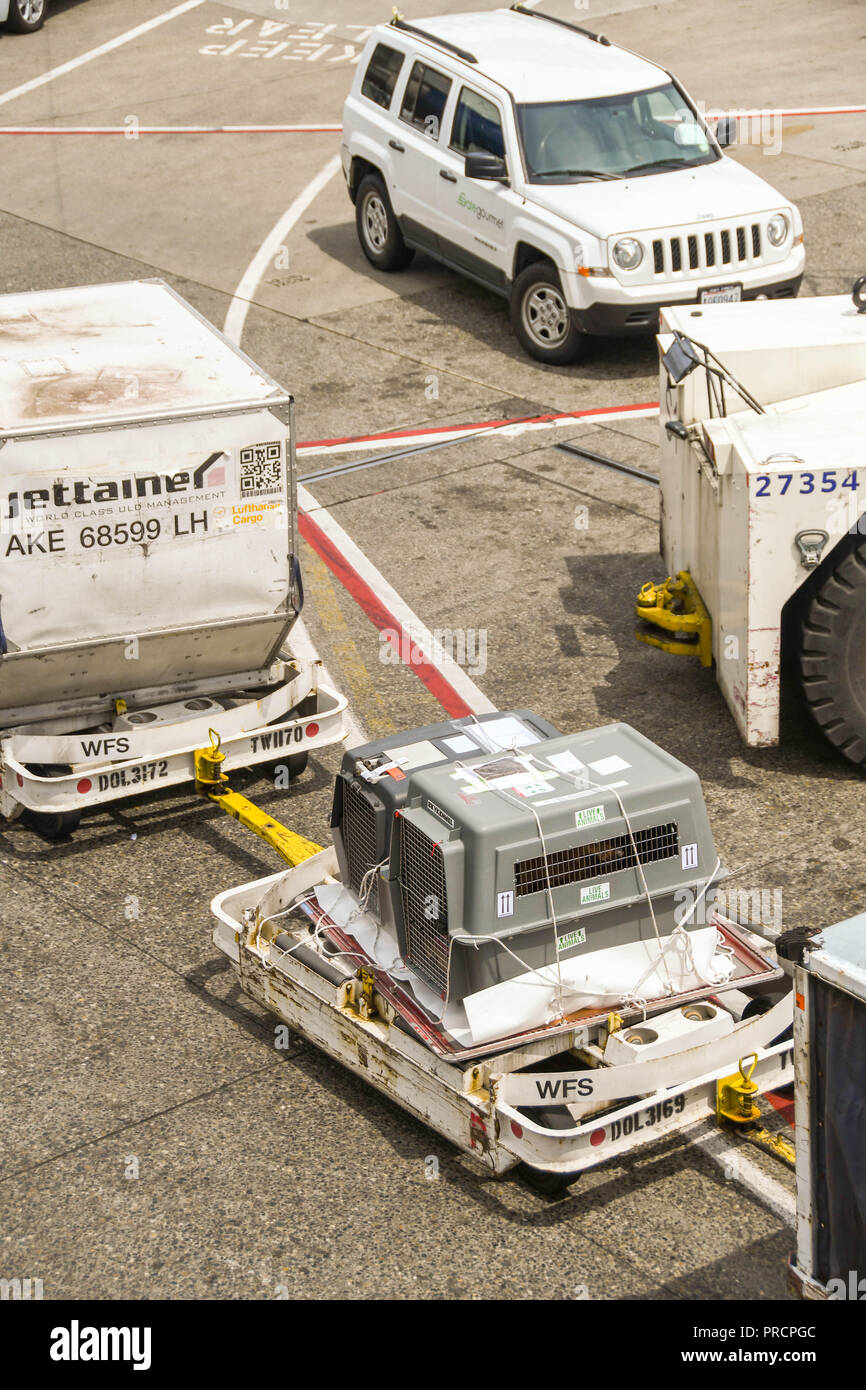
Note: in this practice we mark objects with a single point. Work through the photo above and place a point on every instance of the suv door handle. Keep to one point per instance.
(395, 145)
(444, 174)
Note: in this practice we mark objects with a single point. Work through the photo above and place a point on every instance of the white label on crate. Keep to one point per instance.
(461, 744)
(605, 766)
(572, 938)
(532, 789)
(567, 762)
(690, 856)
(505, 904)
(595, 893)
(591, 815)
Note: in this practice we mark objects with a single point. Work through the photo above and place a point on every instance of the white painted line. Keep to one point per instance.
(239, 308)
(510, 429)
(236, 318)
(406, 623)
(133, 132)
(331, 128)
(103, 48)
(740, 1168)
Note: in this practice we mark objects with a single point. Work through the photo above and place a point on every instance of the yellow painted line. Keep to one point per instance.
(360, 689)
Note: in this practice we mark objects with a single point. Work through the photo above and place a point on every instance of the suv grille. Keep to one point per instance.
(729, 246)
(425, 906)
(359, 837)
(596, 860)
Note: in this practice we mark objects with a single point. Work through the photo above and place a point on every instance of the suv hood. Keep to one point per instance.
(651, 202)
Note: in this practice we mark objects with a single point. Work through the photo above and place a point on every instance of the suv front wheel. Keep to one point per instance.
(541, 318)
(26, 15)
(380, 236)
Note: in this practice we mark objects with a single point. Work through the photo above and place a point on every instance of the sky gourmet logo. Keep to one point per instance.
(77, 1343)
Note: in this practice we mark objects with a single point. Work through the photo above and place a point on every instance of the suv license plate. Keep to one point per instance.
(722, 294)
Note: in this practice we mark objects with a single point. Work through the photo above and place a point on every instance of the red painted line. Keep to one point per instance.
(481, 425)
(784, 1105)
(380, 617)
(786, 112)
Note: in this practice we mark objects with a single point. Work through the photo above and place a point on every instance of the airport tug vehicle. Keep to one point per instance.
(149, 576)
(516, 936)
(763, 507)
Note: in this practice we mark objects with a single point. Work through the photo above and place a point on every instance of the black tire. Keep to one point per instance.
(295, 762)
(378, 232)
(26, 16)
(57, 825)
(51, 825)
(833, 648)
(548, 1184)
(541, 319)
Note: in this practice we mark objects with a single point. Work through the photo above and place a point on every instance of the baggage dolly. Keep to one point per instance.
(549, 1099)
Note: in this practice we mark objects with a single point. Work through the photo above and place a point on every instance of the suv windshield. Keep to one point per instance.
(610, 137)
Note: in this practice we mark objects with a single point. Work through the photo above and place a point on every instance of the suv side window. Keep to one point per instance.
(477, 127)
(380, 79)
(424, 99)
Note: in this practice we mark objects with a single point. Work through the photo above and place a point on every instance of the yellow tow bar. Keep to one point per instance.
(212, 782)
(735, 1105)
(676, 608)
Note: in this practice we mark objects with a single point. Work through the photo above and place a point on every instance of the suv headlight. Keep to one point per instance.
(777, 229)
(628, 253)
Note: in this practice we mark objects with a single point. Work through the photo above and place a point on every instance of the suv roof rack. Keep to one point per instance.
(399, 22)
(565, 23)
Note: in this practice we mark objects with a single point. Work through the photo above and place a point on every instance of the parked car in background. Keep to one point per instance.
(571, 176)
(23, 15)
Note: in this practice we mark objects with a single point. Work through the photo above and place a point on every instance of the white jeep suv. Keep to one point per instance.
(564, 172)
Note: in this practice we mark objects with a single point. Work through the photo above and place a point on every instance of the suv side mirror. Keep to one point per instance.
(726, 131)
(486, 166)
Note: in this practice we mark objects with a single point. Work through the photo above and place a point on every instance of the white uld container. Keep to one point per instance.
(147, 522)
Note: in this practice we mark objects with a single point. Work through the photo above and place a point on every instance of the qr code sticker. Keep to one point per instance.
(261, 470)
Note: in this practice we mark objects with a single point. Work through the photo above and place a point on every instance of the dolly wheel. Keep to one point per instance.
(549, 1184)
(295, 762)
(53, 825)
(833, 648)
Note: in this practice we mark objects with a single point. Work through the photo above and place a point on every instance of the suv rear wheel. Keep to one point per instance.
(26, 15)
(541, 318)
(380, 236)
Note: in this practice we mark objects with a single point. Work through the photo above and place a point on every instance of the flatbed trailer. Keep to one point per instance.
(547, 1100)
